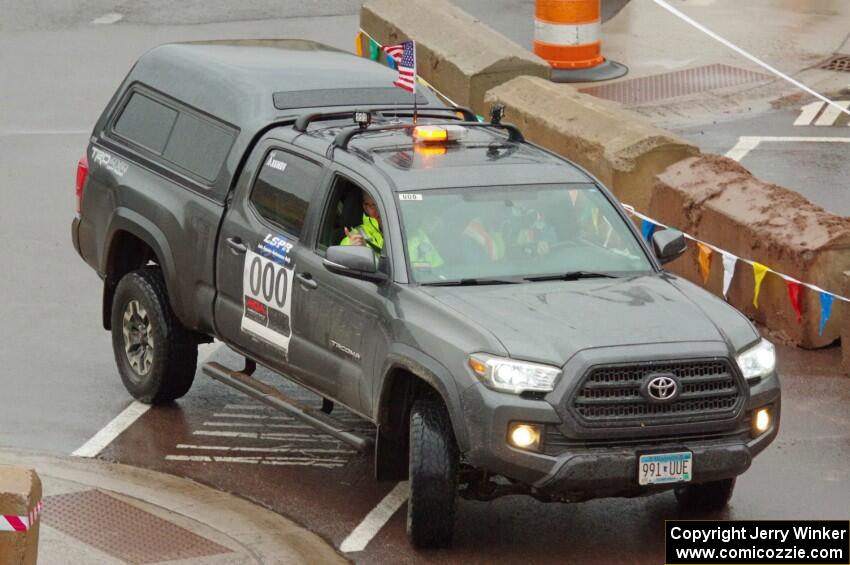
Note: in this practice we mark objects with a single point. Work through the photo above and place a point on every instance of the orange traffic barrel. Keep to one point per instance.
(566, 34)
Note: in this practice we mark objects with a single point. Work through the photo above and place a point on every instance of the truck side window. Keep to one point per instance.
(344, 209)
(146, 122)
(283, 190)
(199, 145)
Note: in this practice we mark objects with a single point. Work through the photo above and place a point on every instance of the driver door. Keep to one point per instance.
(259, 270)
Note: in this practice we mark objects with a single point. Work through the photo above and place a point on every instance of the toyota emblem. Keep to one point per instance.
(661, 388)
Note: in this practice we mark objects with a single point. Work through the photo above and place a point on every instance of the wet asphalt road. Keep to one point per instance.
(327, 487)
(59, 383)
(811, 159)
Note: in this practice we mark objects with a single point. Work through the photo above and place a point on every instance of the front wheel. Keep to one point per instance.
(156, 355)
(433, 475)
(706, 497)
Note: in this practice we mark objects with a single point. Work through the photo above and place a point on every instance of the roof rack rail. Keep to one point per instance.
(303, 122)
(344, 137)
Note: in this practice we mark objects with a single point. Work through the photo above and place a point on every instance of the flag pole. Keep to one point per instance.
(415, 71)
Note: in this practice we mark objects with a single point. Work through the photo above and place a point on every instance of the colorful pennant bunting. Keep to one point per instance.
(704, 260)
(794, 297)
(759, 271)
(647, 228)
(358, 44)
(729, 261)
(374, 49)
(825, 309)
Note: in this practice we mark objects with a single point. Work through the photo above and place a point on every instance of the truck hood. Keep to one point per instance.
(551, 321)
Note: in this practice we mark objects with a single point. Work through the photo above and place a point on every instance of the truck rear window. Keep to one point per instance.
(192, 142)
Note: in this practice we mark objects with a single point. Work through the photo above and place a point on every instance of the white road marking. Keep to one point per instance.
(830, 115)
(259, 425)
(129, 415)
(360, 537)
(747, 143)
(264, 449)
(249, 416)
(808, 113)
(270, 436)
(244, 407)
(107, 19)
(303, 462)
(206, 350)
(250, 435)
(744, 146)
(112, 430)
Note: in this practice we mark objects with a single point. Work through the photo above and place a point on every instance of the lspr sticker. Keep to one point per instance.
(276, 248)
(267, 300)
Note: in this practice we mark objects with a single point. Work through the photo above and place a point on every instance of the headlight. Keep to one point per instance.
(758, 361)
(508, 375)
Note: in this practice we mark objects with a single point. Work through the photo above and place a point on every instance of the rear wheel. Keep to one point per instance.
(706, 497)
(156, 355)
(433, 475)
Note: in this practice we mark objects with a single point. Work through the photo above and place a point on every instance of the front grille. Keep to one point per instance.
(610, 395)
(555, 443)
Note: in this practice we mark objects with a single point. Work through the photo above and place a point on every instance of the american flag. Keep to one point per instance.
(404, 55)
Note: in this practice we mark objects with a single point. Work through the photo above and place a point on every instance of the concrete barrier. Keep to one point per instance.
(621, 148)
(845, 327)
(20, 504)
(459, 55)
(718, 201)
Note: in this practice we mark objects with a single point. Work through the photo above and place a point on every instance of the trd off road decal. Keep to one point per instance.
(109, 162)
(267, 307)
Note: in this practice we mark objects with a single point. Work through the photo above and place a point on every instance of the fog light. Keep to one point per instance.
(524, 436)
(761, 422)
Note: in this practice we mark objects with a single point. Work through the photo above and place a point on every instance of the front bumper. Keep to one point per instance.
(598, 467)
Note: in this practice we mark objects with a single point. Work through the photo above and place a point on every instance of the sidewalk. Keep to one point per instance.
(103, 513)
(679, 77)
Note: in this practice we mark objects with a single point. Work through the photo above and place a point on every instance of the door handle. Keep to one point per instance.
(236, 245)
(307, 280)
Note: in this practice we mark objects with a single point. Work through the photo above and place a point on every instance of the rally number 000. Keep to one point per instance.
(268, 284)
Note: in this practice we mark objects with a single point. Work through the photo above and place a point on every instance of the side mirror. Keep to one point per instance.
(356, 261)
(668, 245)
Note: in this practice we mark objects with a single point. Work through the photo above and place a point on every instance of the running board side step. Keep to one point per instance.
(276, 399)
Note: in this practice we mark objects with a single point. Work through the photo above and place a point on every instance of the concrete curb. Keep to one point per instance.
(719, 201)
(620, 148)
(269, 537)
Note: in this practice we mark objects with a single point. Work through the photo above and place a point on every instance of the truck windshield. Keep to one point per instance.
(516, 233)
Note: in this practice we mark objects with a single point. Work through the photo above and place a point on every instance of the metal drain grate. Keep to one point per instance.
(838, 63)
(122, 530)
(678, 83)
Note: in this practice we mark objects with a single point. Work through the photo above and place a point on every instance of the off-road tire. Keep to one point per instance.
(706, 497)
(433, 475)
(175, 351)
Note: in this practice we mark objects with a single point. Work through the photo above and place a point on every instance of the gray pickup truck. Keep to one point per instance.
(494, 312)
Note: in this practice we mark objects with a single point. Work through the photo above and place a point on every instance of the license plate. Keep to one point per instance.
(661, 468)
